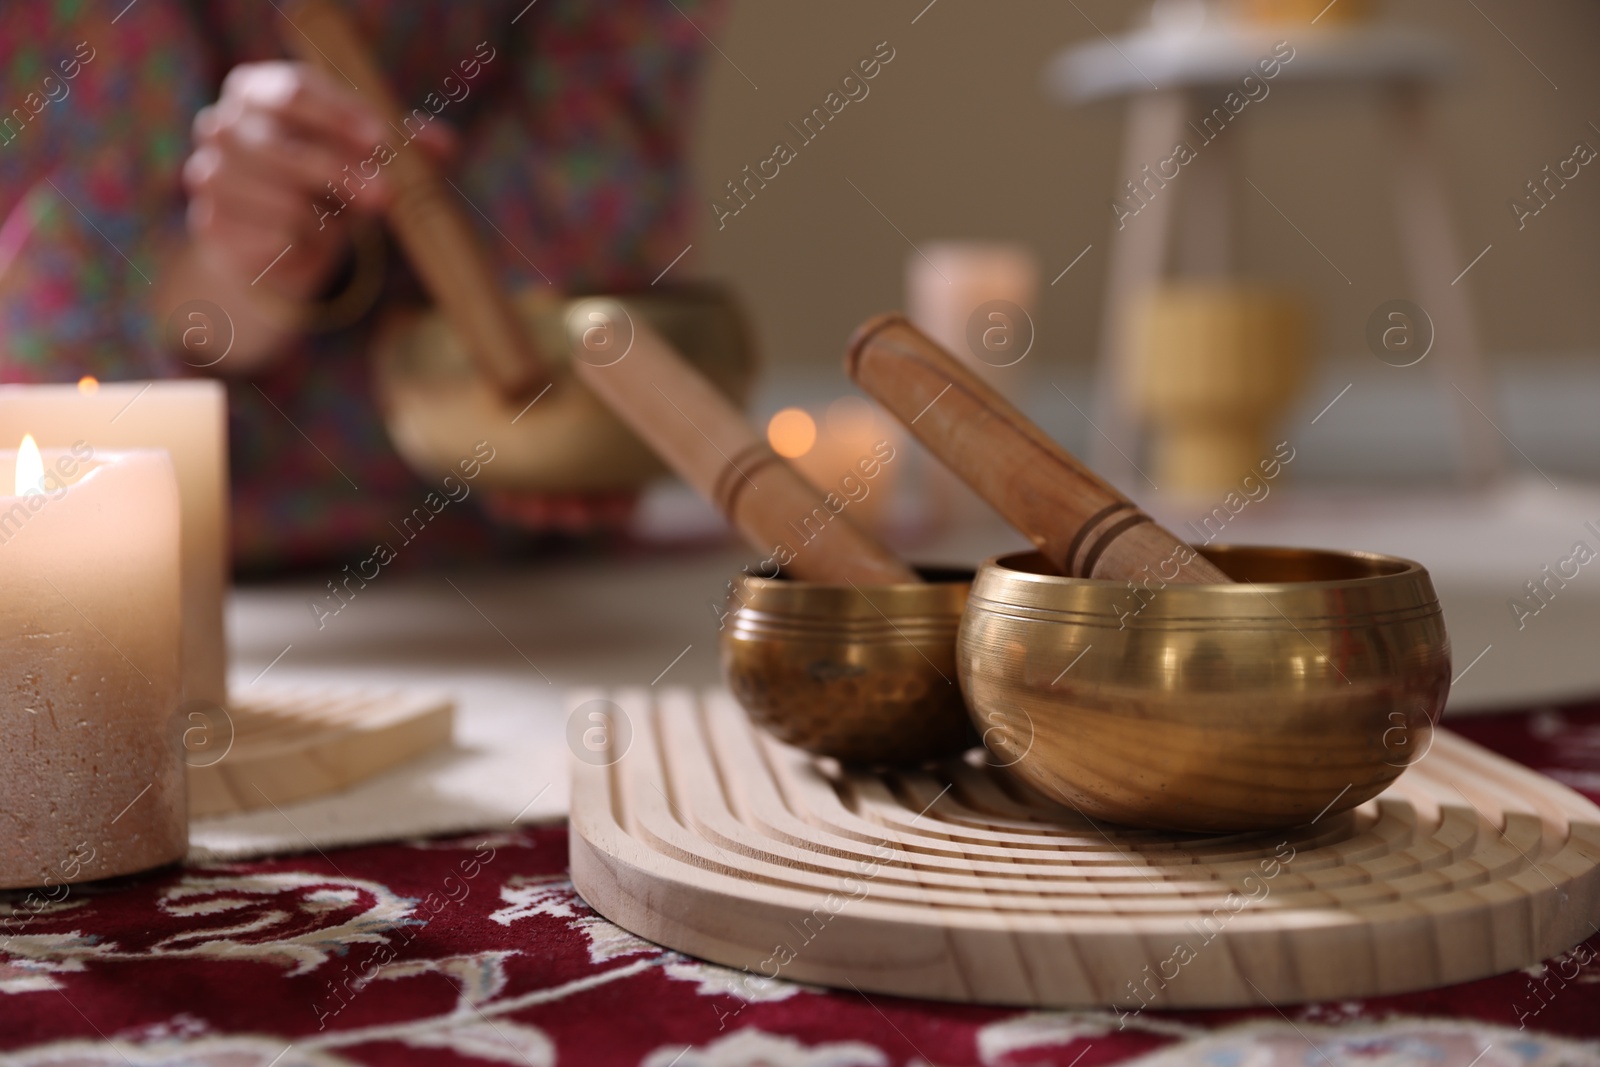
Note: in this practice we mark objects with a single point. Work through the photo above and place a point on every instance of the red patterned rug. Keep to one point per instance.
(477, 950)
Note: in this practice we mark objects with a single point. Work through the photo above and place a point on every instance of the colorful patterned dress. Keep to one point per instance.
(572, 143)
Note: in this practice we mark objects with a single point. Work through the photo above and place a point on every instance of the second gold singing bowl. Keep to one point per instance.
(865, 674)
(437, 406)
(1296, 694)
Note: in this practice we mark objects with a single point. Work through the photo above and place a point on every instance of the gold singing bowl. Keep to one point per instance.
(866, 674)
(438, 407)
(1298, 693)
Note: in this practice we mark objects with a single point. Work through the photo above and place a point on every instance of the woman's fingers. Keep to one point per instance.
(282, 162)
(307, 100)
(261, 146)
(439, 139)
(230, 185)
(241, 246)
(288, 155)
(269, 206)
(249, 224)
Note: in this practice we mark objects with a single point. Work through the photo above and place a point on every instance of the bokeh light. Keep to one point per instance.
(791, 433)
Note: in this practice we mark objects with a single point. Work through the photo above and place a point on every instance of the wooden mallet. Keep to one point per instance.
(439, 241)
(698, 432)
(1081, 525)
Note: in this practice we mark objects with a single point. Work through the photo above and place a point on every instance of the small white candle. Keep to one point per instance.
(188, 418)
(976, 298)
(92, 780)
(849, 454)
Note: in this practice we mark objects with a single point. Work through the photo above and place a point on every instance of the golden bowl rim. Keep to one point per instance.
(1403, 590)
(776, 602)
(761, 583)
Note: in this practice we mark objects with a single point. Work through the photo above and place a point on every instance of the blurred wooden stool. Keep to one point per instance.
(1165, 71)
(1218, 364)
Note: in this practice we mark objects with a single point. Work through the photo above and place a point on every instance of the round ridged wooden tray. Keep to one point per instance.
(953, 883)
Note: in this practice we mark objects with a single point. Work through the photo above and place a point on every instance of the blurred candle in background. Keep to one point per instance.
(976, 298)
(851, 451)
(188, 418)
(92, 778)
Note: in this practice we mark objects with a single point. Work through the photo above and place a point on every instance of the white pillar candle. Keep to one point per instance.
(188, 418)
(91, 764)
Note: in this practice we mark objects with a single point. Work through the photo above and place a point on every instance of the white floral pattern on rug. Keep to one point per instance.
(29, 960)
(1398, 1043)
(608, 941)
(216, 1051)
(1043, 1029)
(751, 1046)
(478, 976)
(716, 980)
(527, 897)
(287, 918)
(483, 1038)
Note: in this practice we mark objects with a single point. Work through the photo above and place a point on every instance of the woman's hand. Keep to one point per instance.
(269, 156)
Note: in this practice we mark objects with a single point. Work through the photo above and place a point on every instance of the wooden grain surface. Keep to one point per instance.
(283, 747)
(439, 241)
(698, 432)
(708, 837)
(1082, 525)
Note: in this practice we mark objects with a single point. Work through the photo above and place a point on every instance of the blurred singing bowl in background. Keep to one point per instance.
(1298, 693)
(437, 406)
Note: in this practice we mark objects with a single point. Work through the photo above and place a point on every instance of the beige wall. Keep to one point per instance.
(956, 139)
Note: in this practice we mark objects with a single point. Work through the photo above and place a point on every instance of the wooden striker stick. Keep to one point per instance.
(700, 434)
(438, 240)
(1082, 526)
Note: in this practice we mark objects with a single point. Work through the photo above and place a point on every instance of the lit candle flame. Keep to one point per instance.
(88, 385)
(30, 467)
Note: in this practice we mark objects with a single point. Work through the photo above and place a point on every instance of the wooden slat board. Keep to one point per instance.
(711, 838)
(294, 745)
